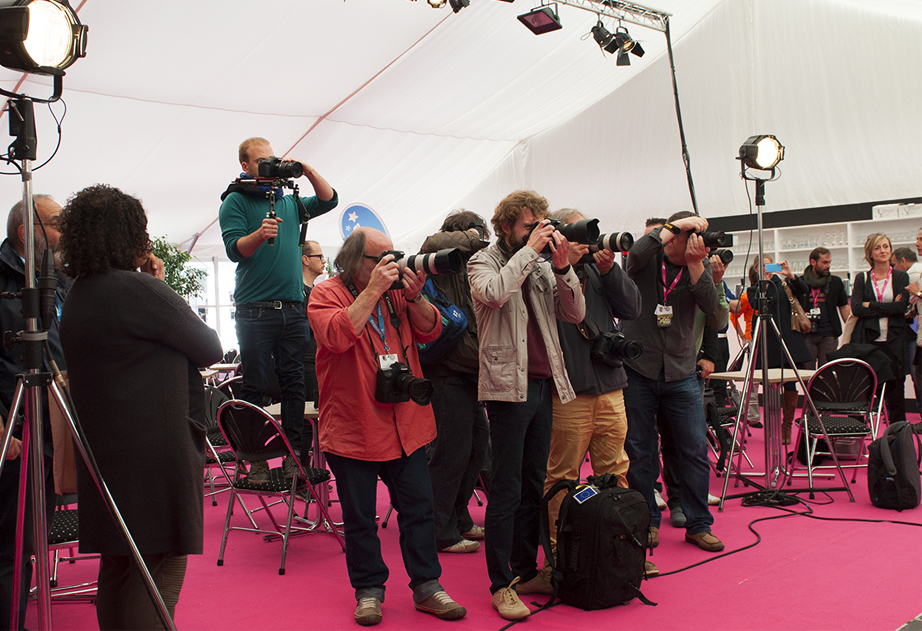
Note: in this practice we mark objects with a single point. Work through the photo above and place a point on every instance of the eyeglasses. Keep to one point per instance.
(316, 256)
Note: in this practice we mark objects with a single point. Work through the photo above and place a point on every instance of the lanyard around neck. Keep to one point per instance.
(880, 292)
(379, 325)
(675, 281)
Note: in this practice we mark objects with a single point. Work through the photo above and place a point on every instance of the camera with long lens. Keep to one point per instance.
(582, 231)
(716, 239)
(396, 384)
(612, 241)
(280, 169)
(726, 255)
(613, 348)
(447, 261)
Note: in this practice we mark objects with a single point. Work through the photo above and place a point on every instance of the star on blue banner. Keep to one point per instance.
(359, 215)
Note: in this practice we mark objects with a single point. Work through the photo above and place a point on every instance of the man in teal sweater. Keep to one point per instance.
(269, 288)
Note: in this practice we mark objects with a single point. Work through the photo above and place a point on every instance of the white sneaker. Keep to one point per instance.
(659, 500)
(713, 500)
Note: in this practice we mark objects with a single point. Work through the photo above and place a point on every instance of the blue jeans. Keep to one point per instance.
(457, 453)
(407, 479)
(520, 434)
(282, 334)
(681, 410)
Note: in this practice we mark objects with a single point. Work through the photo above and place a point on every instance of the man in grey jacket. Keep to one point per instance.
(517, 295)
(671, 269)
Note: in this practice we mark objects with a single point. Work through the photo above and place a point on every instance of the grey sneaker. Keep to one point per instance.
(442, 606)
(259, 472)
(677, 517)
(290, 468)
(368, 611)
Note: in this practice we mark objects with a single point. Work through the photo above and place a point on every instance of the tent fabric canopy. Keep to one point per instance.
(414, 111)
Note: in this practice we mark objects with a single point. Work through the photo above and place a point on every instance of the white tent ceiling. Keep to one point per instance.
(414, 111)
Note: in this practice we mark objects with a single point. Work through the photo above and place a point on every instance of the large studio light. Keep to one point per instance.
(542, 20)
(761, 152)
(40, 36)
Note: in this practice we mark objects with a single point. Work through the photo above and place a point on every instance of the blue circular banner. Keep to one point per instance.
(358, 216)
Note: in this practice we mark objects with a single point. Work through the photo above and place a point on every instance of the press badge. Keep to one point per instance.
(386, 361)
(585, 493)
(815, 312)
(663, 315)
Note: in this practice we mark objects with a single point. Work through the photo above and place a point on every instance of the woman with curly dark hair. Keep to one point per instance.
(133, 348)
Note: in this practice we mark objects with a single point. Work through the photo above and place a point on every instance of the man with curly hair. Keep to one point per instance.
(518, 296)
(269, 292)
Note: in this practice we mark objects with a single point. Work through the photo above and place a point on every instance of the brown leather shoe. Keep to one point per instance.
(540, 584)
(705, 540)
(462, 547)
(649, 569)
(475, 533)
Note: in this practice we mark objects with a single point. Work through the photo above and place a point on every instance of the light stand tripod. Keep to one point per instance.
(37, 302)
(775, 454)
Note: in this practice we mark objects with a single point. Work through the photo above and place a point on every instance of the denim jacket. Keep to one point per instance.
(502, 319)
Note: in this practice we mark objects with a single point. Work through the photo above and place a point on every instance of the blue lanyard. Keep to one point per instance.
(379, 327)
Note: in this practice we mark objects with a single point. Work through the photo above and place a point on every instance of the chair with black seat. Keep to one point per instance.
(253, 434)
(218, 453)
(64, 533)
(843, 392)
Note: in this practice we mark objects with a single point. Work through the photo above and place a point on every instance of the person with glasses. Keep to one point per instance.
(364, 328)
(269, 293)
(595, 422)
(313, 264)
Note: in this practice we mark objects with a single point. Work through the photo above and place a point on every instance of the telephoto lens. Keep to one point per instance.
(614, 241)
(447, 261)
(717, 239)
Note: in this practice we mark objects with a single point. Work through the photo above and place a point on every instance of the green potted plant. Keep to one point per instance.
(187, 281)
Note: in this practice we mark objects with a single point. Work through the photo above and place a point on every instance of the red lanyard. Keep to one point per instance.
(675, 282)
(816, 295)
(880, 293)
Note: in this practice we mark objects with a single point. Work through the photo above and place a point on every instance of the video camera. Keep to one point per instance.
(447, 261)
(279, 169)
(613, 348)
(396, 384)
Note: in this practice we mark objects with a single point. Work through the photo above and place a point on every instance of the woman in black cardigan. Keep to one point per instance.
(133, 348)
(880, 301)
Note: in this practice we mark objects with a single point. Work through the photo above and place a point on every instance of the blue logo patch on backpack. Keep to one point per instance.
(454, 324)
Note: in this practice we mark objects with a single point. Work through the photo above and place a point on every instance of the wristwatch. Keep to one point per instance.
(419, 297)
(671, 228)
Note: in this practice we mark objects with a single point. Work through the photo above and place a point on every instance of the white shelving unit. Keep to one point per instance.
(845, 240)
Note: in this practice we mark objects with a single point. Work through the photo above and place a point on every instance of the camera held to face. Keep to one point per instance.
(582, 231)
(447, 261)
(396, 384)
(280, 169)
(612, 348)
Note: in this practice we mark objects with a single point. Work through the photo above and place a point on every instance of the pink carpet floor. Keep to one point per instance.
(847, 567)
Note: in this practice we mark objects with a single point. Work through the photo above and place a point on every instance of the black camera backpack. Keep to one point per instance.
(601, 543)
(893, 468)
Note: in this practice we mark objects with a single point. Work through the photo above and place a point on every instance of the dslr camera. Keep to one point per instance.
(447, 261)
(396, 384)
(612, 348)
(716, 239)
(582, 231)
(280, 169)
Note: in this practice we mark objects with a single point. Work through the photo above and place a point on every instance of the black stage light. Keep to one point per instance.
(40, 36)
(541, 20)
(457, 5)
(761, 152)
(623, 43)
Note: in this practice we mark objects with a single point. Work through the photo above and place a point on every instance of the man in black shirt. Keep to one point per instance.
(826, 295)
